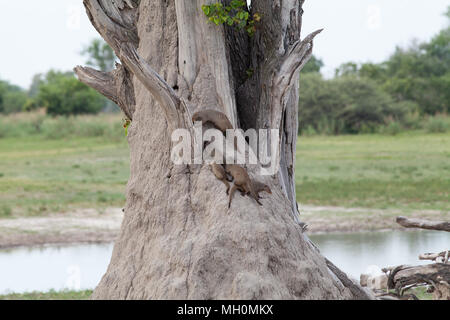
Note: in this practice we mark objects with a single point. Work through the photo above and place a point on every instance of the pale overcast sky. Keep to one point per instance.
(44, 34)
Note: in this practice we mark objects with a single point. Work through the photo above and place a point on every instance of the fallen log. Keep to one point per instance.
(441, 257)
(423, 224)
(437, 275)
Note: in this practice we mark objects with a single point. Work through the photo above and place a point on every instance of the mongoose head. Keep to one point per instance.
(267, 189)
(197, 117)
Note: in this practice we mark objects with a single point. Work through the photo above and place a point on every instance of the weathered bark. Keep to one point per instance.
(436, 275)
(269, 99)
(424, 224)
(179, 239)
(437, 257)
(116, 86)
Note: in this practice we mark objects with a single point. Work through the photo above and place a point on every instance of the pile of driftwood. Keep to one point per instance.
(435, 276)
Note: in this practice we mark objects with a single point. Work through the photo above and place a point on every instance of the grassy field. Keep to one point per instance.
(51, 295)
(66, 164)
(40, 174)
(407, 171)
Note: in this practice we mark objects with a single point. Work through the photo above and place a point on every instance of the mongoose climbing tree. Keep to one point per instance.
(179, 239)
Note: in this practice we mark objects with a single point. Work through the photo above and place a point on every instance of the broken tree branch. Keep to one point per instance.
(112, 20)
(295, 59)
(423, 224)
(115, 85)
(443, 256)
(405, 277)
(160, 89)
(358, 292)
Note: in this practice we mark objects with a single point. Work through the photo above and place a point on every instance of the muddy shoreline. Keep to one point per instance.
(19, 240)
(81, 226)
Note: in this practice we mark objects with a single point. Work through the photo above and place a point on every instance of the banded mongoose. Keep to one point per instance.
(216, 118)
(242, 182)
(220, 174)
(259, 187)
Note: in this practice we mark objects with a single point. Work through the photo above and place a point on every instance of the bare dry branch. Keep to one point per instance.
(116, 86)
(402, 278)
(357, 291)
(434, 256)
(423, 224)
(98, 80)
(154, 83)
(295, 59)
(113, 22)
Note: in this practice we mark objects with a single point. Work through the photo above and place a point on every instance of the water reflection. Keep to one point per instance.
(74, 267)
(82, 266)
(354, 252)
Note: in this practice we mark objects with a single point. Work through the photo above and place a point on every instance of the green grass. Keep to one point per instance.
(42, 172)
(18, 125)
(40, 175)
(421, 293)
(409, 171)
(51, 295)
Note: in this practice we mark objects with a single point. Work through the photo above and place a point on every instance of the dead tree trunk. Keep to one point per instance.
(178, 239)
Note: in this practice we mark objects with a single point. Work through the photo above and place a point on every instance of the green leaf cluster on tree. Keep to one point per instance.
(235, 14)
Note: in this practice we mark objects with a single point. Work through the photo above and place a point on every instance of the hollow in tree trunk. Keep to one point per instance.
(178, 239)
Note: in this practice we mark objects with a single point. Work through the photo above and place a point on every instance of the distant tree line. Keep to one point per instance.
(60, 92)
(401, 92)
(12, 98)
(407, 91)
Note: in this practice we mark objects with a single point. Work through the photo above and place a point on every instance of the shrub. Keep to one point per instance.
(318, 101)
(437, 124)
(412, 120)
(18, 126)
(13, 101)
(58, 127)
(63, 94)
(61, 127)
(30, 105)
(348, 104)
(309, 131)
(12, 98)
(392, 128)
